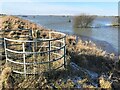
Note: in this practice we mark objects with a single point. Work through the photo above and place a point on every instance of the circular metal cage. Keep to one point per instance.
(34, 56)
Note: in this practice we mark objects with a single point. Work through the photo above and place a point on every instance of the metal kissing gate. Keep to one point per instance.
(37, 55)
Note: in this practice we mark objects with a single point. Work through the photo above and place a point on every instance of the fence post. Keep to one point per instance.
(23, 46)
(5, 46)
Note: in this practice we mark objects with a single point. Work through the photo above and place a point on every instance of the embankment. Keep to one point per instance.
(85, 54)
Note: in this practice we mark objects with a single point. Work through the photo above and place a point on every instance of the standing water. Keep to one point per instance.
(65, 24)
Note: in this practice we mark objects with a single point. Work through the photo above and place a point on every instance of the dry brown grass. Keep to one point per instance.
(5, 81)
(83, 53)
(104, 83)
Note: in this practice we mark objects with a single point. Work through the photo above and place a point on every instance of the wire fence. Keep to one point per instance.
(34, 56)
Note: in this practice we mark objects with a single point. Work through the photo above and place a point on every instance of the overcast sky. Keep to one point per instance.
(36, 7)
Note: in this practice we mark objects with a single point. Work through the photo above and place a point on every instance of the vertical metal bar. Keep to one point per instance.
(30, 33)
(35, 55)
(35, 46)
(23, 45)
(30, 37)
(50, 38)
(2, 43)
(64, 52)
(5, 46)
(49, 55)
(49, 51)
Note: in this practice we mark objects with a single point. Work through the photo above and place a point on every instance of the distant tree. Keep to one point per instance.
(83, 21)
(116, 22)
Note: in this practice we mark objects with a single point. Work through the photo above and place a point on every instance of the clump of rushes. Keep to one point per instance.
(6, 81)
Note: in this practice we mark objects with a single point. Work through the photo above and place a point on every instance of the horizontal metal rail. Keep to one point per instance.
(14, 30)
(37, 40)
(56, 59)
(13, 51)
(15, 71)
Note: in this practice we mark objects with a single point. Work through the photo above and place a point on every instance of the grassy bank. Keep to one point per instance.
(82, 57)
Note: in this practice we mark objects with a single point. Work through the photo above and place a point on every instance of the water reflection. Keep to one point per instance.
(83, 31)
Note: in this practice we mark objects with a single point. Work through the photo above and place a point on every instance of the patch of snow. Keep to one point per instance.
(92, 74)
(74, 66)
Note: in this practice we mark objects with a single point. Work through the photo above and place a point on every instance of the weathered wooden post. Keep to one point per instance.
(33, 47)
(34, 36)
